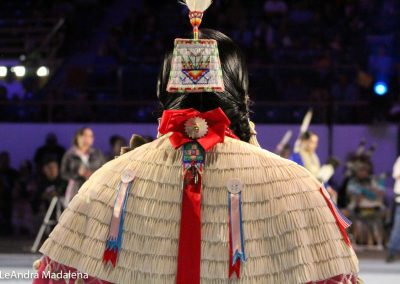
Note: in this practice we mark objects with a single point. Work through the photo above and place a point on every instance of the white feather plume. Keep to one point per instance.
(306, 121)
(325, 173)
(284, 141)
(286, 138)
(303, 128)
(197, 5)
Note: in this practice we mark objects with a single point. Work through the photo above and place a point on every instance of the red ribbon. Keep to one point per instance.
(189, 254)
(342, 222)
(235, 268)
(174, 121)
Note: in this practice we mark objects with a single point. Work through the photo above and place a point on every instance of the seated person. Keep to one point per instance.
(366, 205)
(49, 185)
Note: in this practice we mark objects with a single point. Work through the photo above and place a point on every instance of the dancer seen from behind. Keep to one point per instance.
(202, 203)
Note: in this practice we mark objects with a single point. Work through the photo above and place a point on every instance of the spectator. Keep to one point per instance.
(149, 138)
(394, 242)
(23, 190)
(366, 204)
(116, 143)
(80, 161)
(50, 184)
(136, 141)
(285, 151)
(332, 34)
(306, 156)
(51, 148)
(8, 178)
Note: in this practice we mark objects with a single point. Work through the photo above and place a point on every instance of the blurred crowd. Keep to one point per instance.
(363, 196)
(270, 31)
(313, 52)
(26, 193)
(343, 44)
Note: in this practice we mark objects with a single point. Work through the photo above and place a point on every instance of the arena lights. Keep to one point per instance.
(380, 88)
(22, 71)
(19, 71)
(3, 71)
(42, 71)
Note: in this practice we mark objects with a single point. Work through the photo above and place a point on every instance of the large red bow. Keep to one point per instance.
(174, 121)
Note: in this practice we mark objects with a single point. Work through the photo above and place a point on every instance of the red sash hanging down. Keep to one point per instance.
(189, 254)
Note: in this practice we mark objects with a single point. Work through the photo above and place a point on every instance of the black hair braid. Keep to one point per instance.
(240, 126)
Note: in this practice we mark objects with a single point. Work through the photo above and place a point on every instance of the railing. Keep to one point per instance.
(146, 111)
(22, 36)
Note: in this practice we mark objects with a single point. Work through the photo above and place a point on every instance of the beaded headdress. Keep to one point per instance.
(195, 65)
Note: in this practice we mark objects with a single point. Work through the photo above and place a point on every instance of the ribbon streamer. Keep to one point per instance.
(341, 220)
(189, 253)
(236, 240)
(114, 239)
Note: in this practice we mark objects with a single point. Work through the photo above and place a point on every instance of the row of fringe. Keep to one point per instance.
(290, 234)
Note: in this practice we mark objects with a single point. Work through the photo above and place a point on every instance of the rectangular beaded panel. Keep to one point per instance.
(195, 67)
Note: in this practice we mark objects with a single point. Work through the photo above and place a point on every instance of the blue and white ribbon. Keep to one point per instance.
(235, 226)
(114, 239)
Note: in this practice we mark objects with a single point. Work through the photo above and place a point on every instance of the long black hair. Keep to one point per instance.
(234, 101)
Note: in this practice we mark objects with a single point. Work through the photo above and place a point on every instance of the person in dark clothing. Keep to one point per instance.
(8, 178)
(49, 185)
(22, 193)
(116, 143)
(50, 148)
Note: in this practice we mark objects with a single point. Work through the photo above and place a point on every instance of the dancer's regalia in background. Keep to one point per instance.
(198, 205)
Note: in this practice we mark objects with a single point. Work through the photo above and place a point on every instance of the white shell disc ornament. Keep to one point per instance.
(127, 176)
(196, 127)
(234, 186)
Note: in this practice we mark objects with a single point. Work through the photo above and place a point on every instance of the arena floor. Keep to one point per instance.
(373, 271)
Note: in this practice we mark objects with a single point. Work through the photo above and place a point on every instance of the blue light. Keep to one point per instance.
(380, 88)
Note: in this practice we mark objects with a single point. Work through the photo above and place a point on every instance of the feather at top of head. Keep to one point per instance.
(197, 5)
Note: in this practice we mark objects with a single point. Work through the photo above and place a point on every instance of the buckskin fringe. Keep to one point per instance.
(289, 232)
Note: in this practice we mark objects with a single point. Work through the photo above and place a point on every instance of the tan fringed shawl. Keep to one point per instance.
(290, 233)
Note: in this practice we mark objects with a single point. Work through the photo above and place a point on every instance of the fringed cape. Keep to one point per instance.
(290, 233)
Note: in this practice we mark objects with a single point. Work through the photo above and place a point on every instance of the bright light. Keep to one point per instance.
(380, 88)
(19, 71)
(42, 71)
(3, 71)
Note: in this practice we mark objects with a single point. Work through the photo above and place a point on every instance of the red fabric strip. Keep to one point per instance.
(338, 279)
(236, 267)
(110, 255)
(335, 214)
(189, 254)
